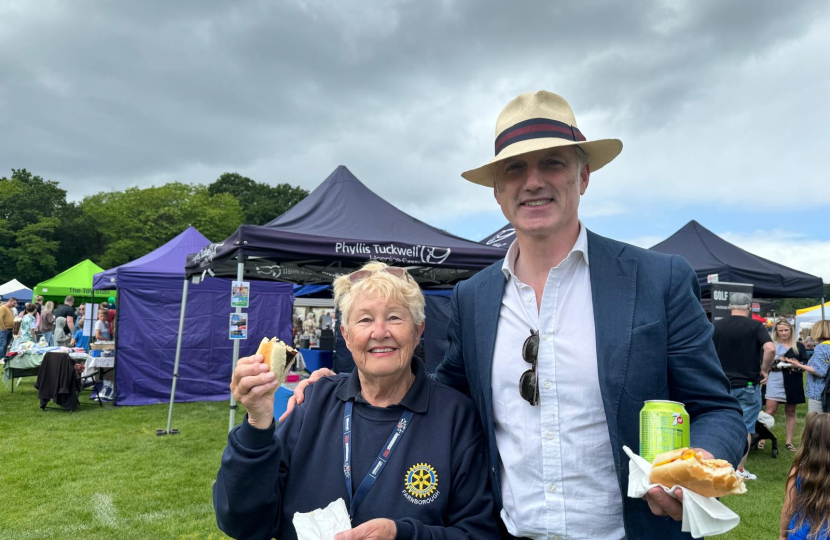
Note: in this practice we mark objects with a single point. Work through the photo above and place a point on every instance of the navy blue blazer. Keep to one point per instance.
(653, 342)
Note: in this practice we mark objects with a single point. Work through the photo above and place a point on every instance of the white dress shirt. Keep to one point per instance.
(558, 478)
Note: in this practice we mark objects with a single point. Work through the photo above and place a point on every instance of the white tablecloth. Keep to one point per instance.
(92, 364)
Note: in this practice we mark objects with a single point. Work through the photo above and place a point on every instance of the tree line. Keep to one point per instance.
(43, 234)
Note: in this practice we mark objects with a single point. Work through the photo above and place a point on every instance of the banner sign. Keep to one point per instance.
(721, 292)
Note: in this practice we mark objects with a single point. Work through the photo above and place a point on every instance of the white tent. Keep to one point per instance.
(806, 319)
(16, 289)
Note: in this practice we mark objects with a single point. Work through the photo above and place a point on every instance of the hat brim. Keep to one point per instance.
(600, 153)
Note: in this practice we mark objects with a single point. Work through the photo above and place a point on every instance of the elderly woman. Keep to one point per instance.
(402, 450)
(785, 385)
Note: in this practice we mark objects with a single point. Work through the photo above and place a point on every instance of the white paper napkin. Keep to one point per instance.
(702, 516)
(322, 524)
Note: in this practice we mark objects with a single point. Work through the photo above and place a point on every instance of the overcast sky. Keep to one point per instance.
(722, 106)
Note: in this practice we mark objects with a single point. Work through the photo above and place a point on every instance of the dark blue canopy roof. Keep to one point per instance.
(341, 225)
(710, 254)
(502, 238)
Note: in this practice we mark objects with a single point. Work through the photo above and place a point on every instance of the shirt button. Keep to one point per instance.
(552, 488)
(528, 299)
(550, 435)
(545, 337)
(547, 385)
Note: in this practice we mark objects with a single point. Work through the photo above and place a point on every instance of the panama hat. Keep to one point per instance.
(537, 121)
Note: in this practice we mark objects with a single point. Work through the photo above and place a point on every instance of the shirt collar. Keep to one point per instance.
(416, 398)
(580, 247)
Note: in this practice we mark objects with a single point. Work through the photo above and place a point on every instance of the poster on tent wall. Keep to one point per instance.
(239, 326)
(721, 292)
(240, 292)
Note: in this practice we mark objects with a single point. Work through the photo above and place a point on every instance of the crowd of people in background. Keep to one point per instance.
(42, 323)
(759, 364)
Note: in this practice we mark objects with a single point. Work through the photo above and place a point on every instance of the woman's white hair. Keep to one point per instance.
(402, 290)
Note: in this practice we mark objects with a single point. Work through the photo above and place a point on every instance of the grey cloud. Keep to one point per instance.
(105, 94)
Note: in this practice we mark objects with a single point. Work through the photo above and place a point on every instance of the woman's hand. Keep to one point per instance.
(374, 529)
(299, 390)
(253, 386)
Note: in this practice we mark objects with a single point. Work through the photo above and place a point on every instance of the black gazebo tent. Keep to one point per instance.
(710, 254)
(502, 238)
(339, 226)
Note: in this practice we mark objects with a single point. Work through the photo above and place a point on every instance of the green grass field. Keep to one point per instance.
(104, 474)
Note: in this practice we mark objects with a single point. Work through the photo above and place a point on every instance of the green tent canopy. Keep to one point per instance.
(77, 281)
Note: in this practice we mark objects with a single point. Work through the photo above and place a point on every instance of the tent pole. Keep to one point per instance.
(240, 270)
(168, 431)
(822, 309)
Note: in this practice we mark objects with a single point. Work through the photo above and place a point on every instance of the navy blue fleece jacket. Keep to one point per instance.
(435, 485)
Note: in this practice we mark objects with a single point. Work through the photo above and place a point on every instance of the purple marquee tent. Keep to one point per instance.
(149, 302)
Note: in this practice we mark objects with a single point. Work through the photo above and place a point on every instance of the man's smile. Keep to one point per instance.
(536, 202)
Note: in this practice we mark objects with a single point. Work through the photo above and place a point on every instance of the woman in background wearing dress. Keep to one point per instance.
(786, 385)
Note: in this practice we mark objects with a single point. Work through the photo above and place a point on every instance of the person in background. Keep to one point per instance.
(746, 352)
(785, 385)
(111, 314)
(47, 323)
(36, 330)
(6, 324)
(60, 337)
(39, 304)
(81, 314)
(80, 340)
(806, 511)
(66, 311)
(818, 365)
(28, 324)
(102, 328)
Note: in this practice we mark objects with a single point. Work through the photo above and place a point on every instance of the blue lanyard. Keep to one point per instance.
(380, 462)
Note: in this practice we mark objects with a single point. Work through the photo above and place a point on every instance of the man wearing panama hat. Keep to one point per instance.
(562, 342)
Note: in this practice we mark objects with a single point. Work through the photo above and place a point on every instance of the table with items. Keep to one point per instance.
(28, 363)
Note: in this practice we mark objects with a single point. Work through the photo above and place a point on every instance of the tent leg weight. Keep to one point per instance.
(162, 432)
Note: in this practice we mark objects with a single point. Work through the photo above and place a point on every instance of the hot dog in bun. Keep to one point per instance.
(278, 356)
(687, 468)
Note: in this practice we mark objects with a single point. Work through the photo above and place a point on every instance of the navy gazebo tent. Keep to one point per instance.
(710, 254)
(502, 238)
(341, 225)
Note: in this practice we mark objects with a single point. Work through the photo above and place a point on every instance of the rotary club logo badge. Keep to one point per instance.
(421, 480)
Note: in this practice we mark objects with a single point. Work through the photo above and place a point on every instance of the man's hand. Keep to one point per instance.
(662, 504)
(252, 385)
(764, 377)
(375, 529)
(299, 391)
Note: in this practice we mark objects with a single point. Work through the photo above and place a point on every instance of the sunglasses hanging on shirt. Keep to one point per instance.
(529, 382)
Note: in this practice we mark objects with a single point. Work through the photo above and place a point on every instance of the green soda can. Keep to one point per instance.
(664, 426)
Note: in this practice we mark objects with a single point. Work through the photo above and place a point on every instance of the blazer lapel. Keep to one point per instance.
(488, 297)
(613, 291)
